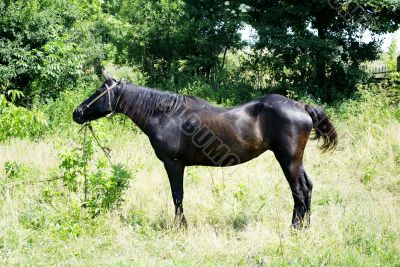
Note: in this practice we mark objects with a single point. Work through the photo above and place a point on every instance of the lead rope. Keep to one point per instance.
(106, 151)
(85, 168)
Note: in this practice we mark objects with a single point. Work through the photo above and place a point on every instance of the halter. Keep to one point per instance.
(107, 91)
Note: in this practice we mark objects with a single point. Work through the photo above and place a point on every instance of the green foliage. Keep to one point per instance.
(102, 186)
(50, 46)
(392, 59)
(145, 33)
(73, 167)
(393, 90)
(372, 104)
(34, 219)
(15, 95)
(20, 122)
(230, 86)
(328, 197)
(67, 223)
(240, 218)
(368, 177)
(46, 46)
(105, 189)
(241, 194)
(139, 221)
(316, 47)
(216, 25)
(301, 47)
(132, 74)
(13, 169)
(225, 94)
(158, 36)
(60, 110)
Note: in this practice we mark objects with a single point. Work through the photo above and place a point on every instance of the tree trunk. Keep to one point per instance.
(223, 58)
(320, 66)
(398, 64)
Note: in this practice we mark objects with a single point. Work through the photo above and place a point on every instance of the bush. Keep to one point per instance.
(60, 111)
(373, 103)
(20, 122)
(47, 46)
(102, 185)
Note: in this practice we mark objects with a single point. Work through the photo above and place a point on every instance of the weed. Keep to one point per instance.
(13, 169)
(369, 172)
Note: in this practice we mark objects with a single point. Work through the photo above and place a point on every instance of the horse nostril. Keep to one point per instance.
(78, 111)
(77, 114)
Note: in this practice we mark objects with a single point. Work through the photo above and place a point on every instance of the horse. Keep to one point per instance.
(187, 130)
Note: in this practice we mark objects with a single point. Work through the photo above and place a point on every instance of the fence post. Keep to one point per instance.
(398, 64)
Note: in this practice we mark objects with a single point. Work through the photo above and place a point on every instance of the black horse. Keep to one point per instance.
(186, 131)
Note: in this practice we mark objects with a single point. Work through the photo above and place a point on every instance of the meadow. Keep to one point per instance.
(63, 204)
(236, 216)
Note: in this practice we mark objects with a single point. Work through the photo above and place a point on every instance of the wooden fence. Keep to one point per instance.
(382, 72)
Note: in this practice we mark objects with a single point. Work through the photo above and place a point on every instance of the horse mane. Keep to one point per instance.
(140, 102)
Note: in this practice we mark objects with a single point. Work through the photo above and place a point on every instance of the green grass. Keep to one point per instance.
(239, 217)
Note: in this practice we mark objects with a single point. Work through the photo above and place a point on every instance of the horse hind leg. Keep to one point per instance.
(291, 161)
(301, 187)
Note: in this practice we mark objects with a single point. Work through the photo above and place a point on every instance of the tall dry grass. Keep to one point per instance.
(239, 217)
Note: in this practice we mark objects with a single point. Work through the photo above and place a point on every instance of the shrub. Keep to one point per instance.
(20, 122)
(47, 46)
(102, 185)
(60, 110)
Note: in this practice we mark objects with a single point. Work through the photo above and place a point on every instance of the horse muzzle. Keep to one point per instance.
(77, 115)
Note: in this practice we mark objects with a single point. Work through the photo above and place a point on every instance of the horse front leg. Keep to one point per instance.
(175, 170)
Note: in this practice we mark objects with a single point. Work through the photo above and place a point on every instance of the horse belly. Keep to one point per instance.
(218, 151)
(225, 139)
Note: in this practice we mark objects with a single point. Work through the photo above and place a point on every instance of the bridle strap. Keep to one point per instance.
(107, 91)
(112, 111)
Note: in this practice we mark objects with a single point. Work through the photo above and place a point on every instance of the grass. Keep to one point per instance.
(237, 216)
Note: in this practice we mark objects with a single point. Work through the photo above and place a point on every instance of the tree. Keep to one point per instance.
(316, 46)
(212, 29)
(146, 33)
(174, 39)
(46, 46)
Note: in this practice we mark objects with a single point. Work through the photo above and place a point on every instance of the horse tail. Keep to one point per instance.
(323, 127)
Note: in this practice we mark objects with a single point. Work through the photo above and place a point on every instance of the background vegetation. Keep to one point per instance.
(63, 203)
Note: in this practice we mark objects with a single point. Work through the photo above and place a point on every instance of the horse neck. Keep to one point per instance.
(129, 104)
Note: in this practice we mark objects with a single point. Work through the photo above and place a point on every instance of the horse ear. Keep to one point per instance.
(108, 78)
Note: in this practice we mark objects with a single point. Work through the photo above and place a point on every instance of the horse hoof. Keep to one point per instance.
(180, 221)
(299, 226)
